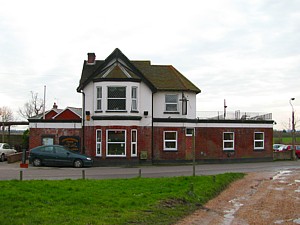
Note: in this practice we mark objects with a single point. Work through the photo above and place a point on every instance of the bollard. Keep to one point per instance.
(21, 175)
(83, 174)
(140, 173)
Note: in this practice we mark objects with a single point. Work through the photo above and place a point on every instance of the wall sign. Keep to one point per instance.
(71, 142)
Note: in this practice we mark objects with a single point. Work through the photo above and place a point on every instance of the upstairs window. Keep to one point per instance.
(134, 99)
(171, 101)
(99, 99)
(258, 140)
(228, 141)
(116, 98)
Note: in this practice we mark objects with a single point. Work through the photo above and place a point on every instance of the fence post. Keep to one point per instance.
(21, 175)
(83, 174)
(140, 173)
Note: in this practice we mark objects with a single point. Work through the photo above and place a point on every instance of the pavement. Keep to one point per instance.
(14, 172)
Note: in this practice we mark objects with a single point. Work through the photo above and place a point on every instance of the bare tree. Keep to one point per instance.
(6, 115)
(33, 107)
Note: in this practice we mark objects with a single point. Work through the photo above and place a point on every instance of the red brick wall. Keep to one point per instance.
(36, 135)
(208, 142)
(143, 141)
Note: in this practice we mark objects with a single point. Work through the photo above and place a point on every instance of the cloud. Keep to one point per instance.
(242, 51)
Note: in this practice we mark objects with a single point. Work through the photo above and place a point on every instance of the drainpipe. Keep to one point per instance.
(152, 131)
(83, 122)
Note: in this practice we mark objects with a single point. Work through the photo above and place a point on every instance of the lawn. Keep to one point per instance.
(285, 140)
(114, 201)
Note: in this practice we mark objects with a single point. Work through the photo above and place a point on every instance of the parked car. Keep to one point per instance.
(57, 155)
(277, 146)
(6, 150)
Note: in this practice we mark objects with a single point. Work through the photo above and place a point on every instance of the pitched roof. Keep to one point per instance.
(118, 67)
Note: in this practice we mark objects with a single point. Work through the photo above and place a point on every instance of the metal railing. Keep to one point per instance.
(236, 115)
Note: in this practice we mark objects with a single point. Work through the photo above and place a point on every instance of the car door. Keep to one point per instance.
(62, 156)
(47, 155)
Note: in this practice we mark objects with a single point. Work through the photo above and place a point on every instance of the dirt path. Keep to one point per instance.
(259, 198)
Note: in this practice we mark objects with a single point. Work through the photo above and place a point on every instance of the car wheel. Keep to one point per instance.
(78, 163)
(2, 157)
(37, 162)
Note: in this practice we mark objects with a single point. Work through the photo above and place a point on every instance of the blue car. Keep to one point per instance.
(57, 155)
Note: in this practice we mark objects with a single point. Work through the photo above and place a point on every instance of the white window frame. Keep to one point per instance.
(108, 98)
(166, 148)
(134, 143)
(134, 99)
(171, 103)
(225, 141)
(98, 142)
(120, 142)
(259, 141)
(47, 140)
(189, 131)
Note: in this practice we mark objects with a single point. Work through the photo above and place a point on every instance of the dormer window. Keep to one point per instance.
(116, 98)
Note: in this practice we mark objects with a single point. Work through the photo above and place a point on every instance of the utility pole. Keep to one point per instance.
(293, 130)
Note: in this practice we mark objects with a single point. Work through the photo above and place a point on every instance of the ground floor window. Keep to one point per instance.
(170, 140)
(47, 140)
(228, 141)
(116, 143)
(133, 142)
(259, 140)
(98, 142)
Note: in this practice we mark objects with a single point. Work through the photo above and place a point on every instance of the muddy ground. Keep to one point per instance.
(259, 198)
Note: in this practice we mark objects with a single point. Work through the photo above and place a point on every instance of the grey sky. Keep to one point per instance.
(246, 52)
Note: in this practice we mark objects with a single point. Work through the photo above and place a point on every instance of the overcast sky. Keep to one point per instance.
(247, 52)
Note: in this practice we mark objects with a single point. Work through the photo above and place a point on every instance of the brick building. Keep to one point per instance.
(136, 112)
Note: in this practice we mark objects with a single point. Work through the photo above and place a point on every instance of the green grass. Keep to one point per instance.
(114, 201)
(285, 140)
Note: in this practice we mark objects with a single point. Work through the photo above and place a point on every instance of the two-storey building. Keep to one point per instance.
(138, 111)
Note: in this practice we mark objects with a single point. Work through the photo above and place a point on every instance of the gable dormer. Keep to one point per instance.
(116, 67)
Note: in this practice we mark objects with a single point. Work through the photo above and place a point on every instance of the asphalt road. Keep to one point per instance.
(13, 171)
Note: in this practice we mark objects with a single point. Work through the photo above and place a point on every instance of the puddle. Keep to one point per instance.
(278, 189)
(281, 173)
(297, 221)
(229, 214)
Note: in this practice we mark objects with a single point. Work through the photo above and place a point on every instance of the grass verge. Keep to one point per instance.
(114, 201)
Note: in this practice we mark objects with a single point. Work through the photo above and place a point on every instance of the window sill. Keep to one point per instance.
(258, 150)
(171, 112)
(98, 111)
(170, 150)
(116, 111)
(134, 111)
(229, 150)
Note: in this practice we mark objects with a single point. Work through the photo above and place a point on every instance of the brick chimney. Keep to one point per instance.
(91, 58)
(55, 106)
